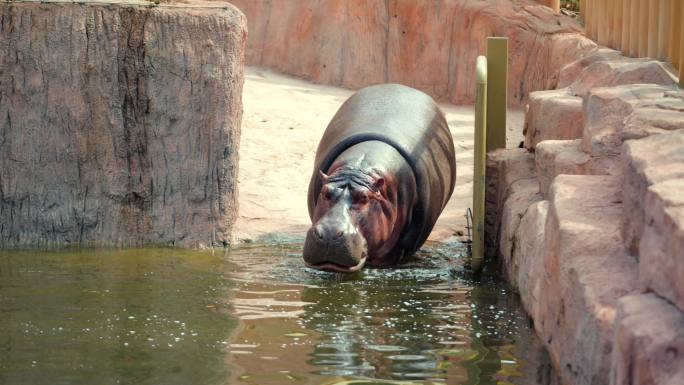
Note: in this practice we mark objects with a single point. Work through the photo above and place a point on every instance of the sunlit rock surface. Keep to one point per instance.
(553, 114)
(119, 123)
(611, 171)
(649, 334)
(429, 45)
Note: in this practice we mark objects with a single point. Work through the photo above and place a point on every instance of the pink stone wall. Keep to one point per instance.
(596, 247)
(429, 45)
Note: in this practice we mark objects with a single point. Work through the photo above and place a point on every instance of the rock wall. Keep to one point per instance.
(429, 45)
(119, 123)
(588, 221)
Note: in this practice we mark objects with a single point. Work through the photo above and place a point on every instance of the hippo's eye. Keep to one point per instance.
(326, 193)
(360, 198)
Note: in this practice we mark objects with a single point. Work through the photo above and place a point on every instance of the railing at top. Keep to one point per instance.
(638, 28)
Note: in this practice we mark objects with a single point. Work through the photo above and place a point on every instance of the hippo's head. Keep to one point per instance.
(353, 222)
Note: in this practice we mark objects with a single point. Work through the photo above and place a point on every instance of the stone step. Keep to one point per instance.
(510, 177)
(570, 72)
(648, 161)
(649, 340)
(554, 114)
(611, 73)
(524, 193)
(656, 116)
(607, 109)
(526, 261)
(661, 250)
(602, 118)
(556, 157)
(585, 271)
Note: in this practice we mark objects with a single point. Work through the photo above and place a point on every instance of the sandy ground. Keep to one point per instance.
(284, 118)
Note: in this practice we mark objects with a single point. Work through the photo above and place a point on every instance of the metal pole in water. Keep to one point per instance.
(479, 172)
(497, 91)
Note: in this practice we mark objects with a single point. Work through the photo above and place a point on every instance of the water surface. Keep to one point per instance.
(255, 315)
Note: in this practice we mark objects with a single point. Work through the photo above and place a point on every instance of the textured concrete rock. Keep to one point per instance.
(523, 193)
(585, 272)
(607, 108)
(553, 115)
(649, 341)
(429, 45)
(556, 157)
(650, 120)
(661, 250)
(613, 195)
(527, 257)
(655, 116)
(590, 292)
(621, 72)
(119, 123)
(572, 71)
(647, 161)
(508, 171)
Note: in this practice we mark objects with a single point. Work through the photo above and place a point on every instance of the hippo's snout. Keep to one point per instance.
(334, 249)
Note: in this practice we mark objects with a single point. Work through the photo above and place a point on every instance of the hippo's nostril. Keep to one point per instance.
(338, 234)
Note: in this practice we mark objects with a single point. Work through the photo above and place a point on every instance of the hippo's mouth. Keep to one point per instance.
(334, 267)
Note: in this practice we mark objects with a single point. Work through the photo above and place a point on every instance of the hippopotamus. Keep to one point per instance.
(383, 172)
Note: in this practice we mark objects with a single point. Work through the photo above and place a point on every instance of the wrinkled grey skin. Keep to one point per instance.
(384, 170)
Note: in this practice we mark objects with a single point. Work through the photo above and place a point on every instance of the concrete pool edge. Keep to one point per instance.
(587, 220)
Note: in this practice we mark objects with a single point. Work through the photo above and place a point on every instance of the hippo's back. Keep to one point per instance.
(411, 122)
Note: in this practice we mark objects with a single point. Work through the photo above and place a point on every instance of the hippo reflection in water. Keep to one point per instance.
(384, 170)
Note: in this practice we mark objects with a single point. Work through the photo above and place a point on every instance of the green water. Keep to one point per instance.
(255, 315)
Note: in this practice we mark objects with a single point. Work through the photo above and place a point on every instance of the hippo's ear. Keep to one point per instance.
(324, 178)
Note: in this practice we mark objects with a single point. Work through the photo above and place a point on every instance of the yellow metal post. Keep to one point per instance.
(497, 100)
(583, 11)
(480, 163)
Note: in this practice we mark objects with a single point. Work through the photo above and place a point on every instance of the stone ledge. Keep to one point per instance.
(553, 115)
(661, 250)
(607, 108)
(647, 161)
(556, 157)
(605, 236)
(621, 72)
(584, 272)
(505, 168)
(572, 71)
(524, 193)
(649, 340)
(526, 267)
